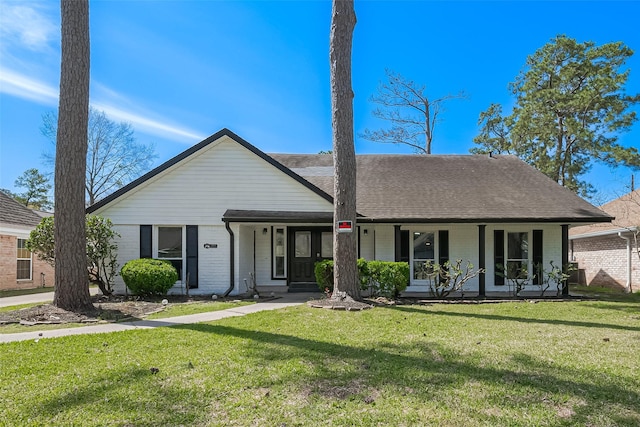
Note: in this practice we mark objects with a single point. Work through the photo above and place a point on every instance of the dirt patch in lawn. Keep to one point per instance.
(107, 309)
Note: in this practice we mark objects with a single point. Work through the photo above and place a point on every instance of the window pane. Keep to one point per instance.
(303, 244)
(279, 253)
(23, 252)
(518, 246)
(423, 245)
(24, 270)
(169, 242)
(279, 267)
(279, 242)
(327, 245)
(422, 270)
(517, 269)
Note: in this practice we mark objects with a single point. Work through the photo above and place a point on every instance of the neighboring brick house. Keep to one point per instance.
(607, 253)
(19, 268)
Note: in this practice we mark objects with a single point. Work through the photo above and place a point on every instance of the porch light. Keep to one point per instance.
(265, 231)
(366, 231)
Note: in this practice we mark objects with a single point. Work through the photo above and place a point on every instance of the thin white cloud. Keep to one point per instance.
(149, 126)
(26, 24)
(20, 86)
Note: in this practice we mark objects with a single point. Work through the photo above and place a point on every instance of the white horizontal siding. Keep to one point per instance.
(128, 248)
(198, 190)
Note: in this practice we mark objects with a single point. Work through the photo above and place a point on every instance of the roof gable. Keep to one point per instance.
(193, 151)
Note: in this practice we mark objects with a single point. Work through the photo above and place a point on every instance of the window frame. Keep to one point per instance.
(275, 255)
(182, 259)
(413, 259)
(18, 259)
(508, 259)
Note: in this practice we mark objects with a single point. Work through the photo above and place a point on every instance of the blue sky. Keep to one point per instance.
(179, 71)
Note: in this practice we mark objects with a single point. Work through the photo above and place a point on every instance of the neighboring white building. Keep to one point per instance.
(225, 213)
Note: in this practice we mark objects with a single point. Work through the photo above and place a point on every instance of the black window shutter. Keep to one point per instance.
(537, 256)
(405, 245)
(443, 248)
(192, 255)
(498, 255)
(443, 242)
(146, 241)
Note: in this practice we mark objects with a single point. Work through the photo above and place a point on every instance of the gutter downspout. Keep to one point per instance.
(232, 278)
(628, 239)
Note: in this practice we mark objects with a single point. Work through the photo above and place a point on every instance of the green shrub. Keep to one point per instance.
(324, 274)
(381, 277)
(388, 279)
(146, 276)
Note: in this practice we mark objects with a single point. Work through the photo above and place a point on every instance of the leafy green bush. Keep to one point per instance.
(323, 271)
(381, 277)
(387, 279)
(146, 276)
(101, 250)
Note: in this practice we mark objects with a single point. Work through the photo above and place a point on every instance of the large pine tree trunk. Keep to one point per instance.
(72, 281)
(343, 22)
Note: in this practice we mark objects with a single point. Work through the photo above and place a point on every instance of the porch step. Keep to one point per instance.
(303, 287)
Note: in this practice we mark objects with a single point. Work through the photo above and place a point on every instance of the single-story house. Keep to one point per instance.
(228, 215)
(607, 253)
(19, 268)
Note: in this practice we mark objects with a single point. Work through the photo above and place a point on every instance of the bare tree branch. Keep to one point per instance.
(413, 116)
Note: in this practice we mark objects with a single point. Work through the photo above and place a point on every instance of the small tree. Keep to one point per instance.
(412, 114)
(554, 276)
(37, 187)
(101, 250)
(450, 277)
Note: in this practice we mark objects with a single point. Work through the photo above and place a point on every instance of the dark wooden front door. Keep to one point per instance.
(307, 246)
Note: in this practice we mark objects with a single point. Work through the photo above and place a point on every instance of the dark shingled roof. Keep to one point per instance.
(12, 212)
(450, 188)
(417, 188)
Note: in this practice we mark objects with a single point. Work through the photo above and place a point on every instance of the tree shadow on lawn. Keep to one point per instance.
(428, 372)
(109, 397)
(516, 319)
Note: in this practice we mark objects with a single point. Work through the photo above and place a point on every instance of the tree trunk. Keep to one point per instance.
(343, 21)
(71, 286)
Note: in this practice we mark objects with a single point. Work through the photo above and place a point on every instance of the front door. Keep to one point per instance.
(307, 246)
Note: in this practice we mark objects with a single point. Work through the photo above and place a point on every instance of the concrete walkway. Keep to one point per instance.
(282, 301)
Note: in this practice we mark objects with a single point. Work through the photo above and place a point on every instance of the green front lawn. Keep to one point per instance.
(508, 364)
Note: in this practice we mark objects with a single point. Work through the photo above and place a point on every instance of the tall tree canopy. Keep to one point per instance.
(36, 194)
(570, 107)
(72, 284)
(113, 157)
(409, 110)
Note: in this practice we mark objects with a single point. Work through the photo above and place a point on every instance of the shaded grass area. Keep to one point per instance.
(516, 364)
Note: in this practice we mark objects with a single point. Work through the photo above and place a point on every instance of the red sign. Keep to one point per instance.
(345, 226)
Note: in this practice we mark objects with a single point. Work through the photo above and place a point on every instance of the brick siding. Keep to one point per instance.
(9, 265)
(604, 261)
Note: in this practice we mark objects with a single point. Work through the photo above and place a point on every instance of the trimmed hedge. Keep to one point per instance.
(382, 278)
(148, 277)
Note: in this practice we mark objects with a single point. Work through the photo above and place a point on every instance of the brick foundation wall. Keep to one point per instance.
(9, 265)
(604, 261)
